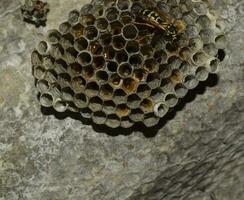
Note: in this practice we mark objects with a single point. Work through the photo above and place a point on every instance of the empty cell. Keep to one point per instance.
(137, 115)
(167, 85)
(99, 117)
(220, 41)
(78, 84)
(204, 21)
(88, 19)
(130, 31)
(96, 48)
(55, 90)
(102, 76)
(80, 100)
(91, 32)
(60, 66)
(42, 48)
(112, 66)
(73, 17)
(42, 86)
(57, 51)
(199, 58)
(221, 55)
(115, 27)
(64, 79)
(109, 107)
(146, 50)
(78, 30)
(113, 121)
(81, 44)
(75, 69)
(126, 122)
(108, 53)
(60, 106)
(153, 80)
(53, 37)
(91, 89)
(102, 23)
(39, 72)
(51, 76)
(171, 100)
(150, 120)
(185, 67)
(151, 65)
(70, 54)
(165, 71)
(176, 76)
(122, 110)
(129, 85)
(180, 90)
(84, 58)
(207, 35)
(171, 47)
(133, 101)
(121, 56)
(112, 13)
(201, 73)
(132, 46)
(115, 79)
(143, 91)
(105, 38)
(136, 60)
(95, 104)
(48, 62)
(72, 107)
(190, 82)
(98, 62)
(125, 70)
(64, 27)
(67, 94)
(106, 91)
(140, 74)
(119, 96)
(185, 53)
(46, 100)
(156, 94)
(160, 56)
(118, 42)
(86, 113)
(123, 4)
(36, 58)
(146, 105)
(214, 65)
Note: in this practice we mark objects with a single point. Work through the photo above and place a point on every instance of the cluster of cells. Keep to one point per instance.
(107, 64)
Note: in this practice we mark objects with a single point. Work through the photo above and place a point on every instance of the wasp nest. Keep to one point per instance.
(107, 64)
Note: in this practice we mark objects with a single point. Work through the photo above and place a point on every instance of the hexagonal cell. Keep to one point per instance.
(115, 79)
(73, 16)
(123, 4)
(67, 94)
(146, 50)
(200, 8)
(190, 82)
(200, 58)
(171, 100)
(153, 80)
(60, 66)
(72, 107)
(70, 54)
(207, 35)
(189, 18)
(39, 72)
(53, 36)
(42, 85)
(121, 56)
(67, 40)
(201, 73)
(84, 58)
(185, 53)
(165, 71)
(96, 48)
(98, 11)
(185, 67)
(113, 121)
(191, 31)
(118, 42)
(220, 41)
(81, 44)
(176, 76)
(195, 44)
(95, 104)
(160, 56)
(57, 51)
(132, 46)
(64, 27)
(51, 76)
(88, 71)
(204, 21)
(126, 17)
(106, 91)
(130, 31)
(210, 49)
(55, 91)
(151, 65)
(115, 27)
(102, 23)
(91, 32)
(42, 48)
(146, 105)
(214, 65)
(102, 76)
(105, 38)
(109, 53)
(91, 89)
(129, 85)
(112, 13)
(133, 101)
(64, 79)
(140, 74)
(174, 62)
(135, 60)
(99, 117)
(160, 109)
(88, 19)
(143, 91)
(75, 69)
(150, 120)
(60, 106)
(126, 122)
(36, 58)
(122, 110)
(137, 115)
(80, 100)
(109, 107)
(98, 62)
(112, 66)
(86, 113)
(180, 90)
(167, 85)
(125, 70)
(46, 100)
(119, 96)
(78, 84)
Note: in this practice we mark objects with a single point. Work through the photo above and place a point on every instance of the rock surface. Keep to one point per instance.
(196, 154)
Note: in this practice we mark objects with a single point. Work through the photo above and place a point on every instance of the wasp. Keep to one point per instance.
(154, 18)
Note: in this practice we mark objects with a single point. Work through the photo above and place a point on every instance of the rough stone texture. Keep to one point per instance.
(197, 154)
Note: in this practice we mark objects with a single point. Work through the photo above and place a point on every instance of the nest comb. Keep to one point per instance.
(103, 65)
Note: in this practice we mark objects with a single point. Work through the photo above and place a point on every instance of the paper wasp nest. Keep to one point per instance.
(106, 66)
